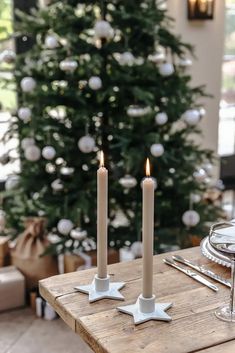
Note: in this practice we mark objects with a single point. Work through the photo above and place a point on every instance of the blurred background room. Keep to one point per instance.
(136, 79)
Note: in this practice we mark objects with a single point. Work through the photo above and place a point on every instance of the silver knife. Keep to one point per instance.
(202, 270)
(191, 274)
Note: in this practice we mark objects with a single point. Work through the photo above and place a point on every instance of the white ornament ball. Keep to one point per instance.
(195, 198)
(12, 182)
(86, 144)
(7, 56)
(200, 175)
(161, 118)
(57, 185)
(65, 226)
(24, 113)
(191, 218)
(27, 84)
(2, 220)
(103, 30)
(191, 117)
(208, 167)
(157, 149)
(51, 41)
(128, 181)
(48, 152)
(78, 234)
(95, 83)
(127, 58)
(32, 153)
(166, 69)
(68, 65)
(26, 142)
(137, 249)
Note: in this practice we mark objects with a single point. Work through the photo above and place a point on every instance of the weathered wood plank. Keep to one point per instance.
(227, 347)
(107, 330)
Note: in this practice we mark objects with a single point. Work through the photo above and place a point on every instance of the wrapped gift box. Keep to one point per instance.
(80, 261)
(4, 251)
(12, 288)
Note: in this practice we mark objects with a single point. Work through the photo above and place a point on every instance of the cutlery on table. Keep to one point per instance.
(191, 274)
(202, 270)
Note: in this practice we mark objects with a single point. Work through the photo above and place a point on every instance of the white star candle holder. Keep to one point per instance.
(146, 309)
(102, 288)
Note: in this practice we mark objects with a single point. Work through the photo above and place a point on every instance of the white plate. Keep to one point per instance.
(213, 255)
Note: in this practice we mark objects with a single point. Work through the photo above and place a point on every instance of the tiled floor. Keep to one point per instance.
(22, 332)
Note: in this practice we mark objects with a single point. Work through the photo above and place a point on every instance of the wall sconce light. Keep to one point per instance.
(201, 9)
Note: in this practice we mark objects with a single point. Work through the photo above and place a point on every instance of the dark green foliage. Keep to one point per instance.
(126, 141)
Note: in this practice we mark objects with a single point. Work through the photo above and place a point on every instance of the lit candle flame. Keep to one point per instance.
(147, 168)
(101, 159)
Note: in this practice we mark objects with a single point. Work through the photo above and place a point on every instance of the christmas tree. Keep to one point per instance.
(111, 76)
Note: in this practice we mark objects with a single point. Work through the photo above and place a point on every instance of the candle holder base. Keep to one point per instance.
(146, 309)
(102, 288)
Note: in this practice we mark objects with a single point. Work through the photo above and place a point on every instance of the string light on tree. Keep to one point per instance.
(57, 185)
(128, 181)
(68, 65)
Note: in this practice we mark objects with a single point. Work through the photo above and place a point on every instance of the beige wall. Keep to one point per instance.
(208, 39)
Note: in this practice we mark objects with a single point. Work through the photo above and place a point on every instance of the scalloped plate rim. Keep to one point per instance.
(215, 256)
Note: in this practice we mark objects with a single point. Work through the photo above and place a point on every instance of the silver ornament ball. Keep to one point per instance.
(191, 218)
(65, 226)
(137, 249)
(32, 153)
(51, 41)
(103, 30)
(86, 144)
(166, 69)
(12, 182)
(161, 118)
(157, 149)
(200, 175)
(28, 84)
(191, 117)
(95, 83)
(24, 114)
(48, 152)
(26, 142)
(127, 59)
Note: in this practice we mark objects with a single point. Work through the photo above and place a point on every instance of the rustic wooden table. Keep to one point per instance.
(194, 327)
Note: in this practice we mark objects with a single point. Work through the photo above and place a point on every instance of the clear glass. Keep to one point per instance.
(222, 238)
